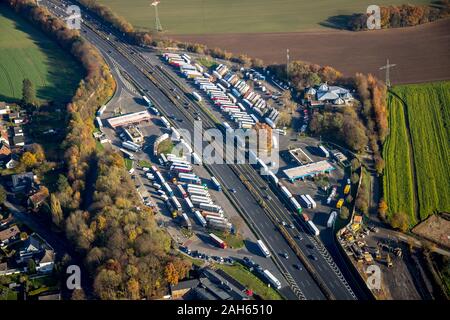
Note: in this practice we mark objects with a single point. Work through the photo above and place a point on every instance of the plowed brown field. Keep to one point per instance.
(421, 53)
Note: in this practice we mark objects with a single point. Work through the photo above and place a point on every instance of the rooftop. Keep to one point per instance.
(309, 169)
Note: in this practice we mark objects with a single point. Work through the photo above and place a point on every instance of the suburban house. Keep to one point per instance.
(9, 162)
(211, 285)
(179, 290)
(16, 117)
(4, 108)
(8, 235)
(37, 198)
(40, 251)
(4, 137)
(325, 94)
(22, 182)
(18, 131)
(4, 149)
(19, 141)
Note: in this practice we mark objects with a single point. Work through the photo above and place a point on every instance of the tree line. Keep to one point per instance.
(127, 255)
(406, 15)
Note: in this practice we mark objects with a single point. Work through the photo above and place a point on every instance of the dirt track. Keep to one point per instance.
(421, 53)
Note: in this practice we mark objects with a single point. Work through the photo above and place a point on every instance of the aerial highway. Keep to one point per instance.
(160, 87)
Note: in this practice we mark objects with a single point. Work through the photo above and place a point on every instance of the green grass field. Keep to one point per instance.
(25, 52)
(240, 16)
(428, 115)
(248, 279)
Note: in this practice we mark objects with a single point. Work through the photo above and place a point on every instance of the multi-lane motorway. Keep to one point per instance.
(158, 86)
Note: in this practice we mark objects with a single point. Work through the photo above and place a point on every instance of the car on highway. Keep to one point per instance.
(297, 266)
(285, 255)
(313, 257)
(233, 190)
(284, 223)
(298, 237)
(292, 226)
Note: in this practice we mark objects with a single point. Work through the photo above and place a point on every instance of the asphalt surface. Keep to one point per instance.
(301, 281)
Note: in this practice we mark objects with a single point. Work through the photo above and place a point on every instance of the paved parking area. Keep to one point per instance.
(198, 240)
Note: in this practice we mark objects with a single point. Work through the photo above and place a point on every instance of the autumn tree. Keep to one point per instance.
(171, 274)
(399, 220)
(382, 209)
(56, 210)
(28, 160)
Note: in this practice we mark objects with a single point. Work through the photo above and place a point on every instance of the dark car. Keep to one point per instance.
(313, 257)
(298, 267)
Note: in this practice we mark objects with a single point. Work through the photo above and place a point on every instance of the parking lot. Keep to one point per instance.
(197, 239)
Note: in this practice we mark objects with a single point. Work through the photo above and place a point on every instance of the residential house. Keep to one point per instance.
(19, 141)
(9, 162)
(4, 137)
(37, 198)
(16, 117)
(22, 182)
(182, 288)
(5, 151)
(40, 251)
(4, 108)
(9, 235)
(18, 131)
(325, 94)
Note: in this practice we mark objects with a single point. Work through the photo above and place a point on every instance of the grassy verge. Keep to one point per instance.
(128, 163)
(234, 241)
(248, 279)
(144, 163)
(208, 63)
(165, 146)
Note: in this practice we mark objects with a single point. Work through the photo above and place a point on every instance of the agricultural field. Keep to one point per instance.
(398, 181)
(240, 16)
(25, 52)
(418, 159)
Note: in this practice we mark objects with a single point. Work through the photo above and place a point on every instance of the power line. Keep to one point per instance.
(388, 67)
(158, 26)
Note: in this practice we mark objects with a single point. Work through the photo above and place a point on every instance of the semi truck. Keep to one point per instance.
(263, 248)
(197, 96)
(131, 146)
(272, 279)
(305, 201)
(200, 218)
(216, 183)
(313, 228)
(217, 241)
(210, 207)
(311, 200)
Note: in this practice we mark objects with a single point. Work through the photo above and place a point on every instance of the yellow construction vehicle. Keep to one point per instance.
(347, 189)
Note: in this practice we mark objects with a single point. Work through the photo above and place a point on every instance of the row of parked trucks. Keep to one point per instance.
(226, 101)
(196, 195)
(250, 99)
